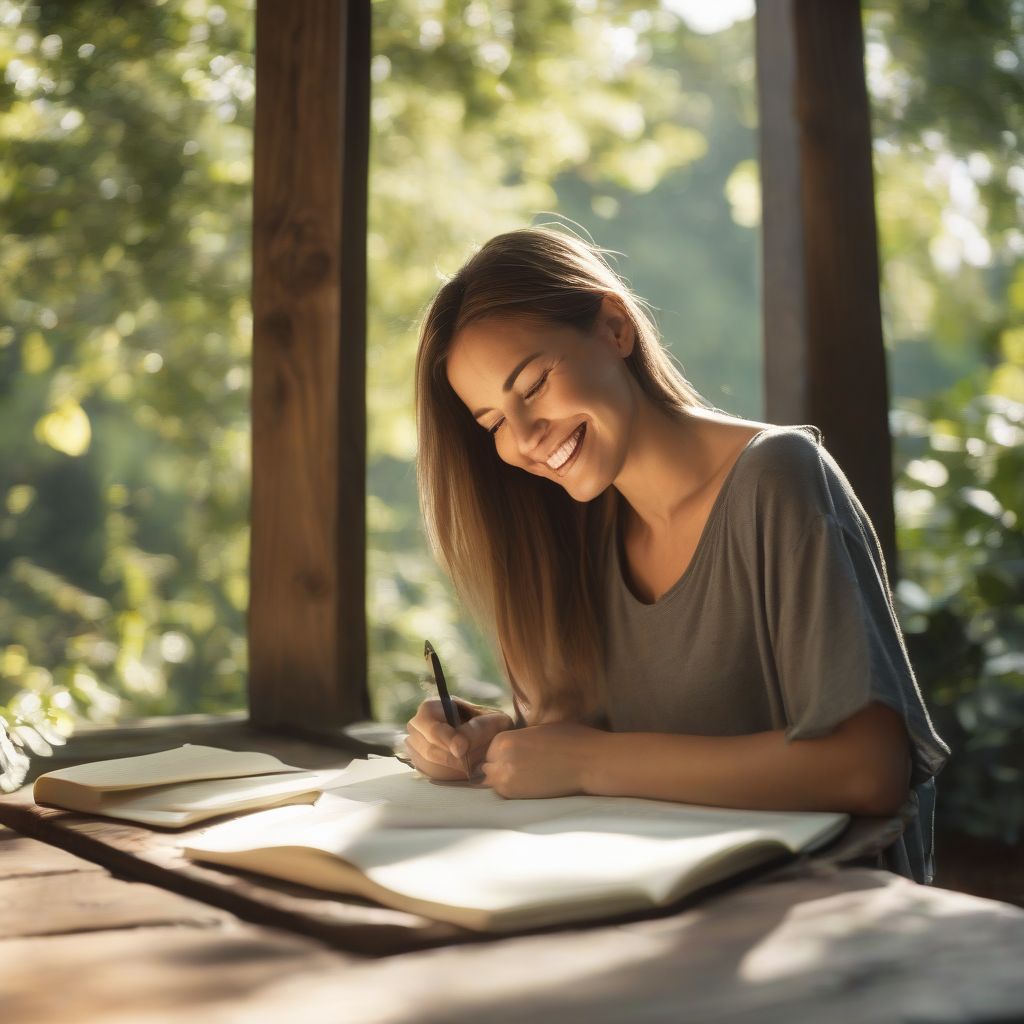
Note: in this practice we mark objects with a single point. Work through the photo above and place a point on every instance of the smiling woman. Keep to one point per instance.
(507, 362)
(690, 606)
(574, 393)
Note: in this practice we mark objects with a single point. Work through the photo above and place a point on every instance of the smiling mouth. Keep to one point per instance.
(568, 450)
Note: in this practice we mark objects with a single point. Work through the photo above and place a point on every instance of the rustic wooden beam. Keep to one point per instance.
(823, 348)
(307, 612)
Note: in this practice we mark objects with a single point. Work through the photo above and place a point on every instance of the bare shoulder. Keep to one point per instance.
(727, 436)
(778, 446)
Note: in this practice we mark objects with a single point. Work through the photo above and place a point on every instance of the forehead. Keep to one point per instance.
(484, 353)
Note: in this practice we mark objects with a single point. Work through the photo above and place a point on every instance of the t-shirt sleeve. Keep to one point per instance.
(834, 633)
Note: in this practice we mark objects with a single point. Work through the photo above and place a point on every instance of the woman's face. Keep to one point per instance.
(559, 403)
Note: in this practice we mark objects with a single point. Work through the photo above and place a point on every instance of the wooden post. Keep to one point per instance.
(307, 611)
(824, 353)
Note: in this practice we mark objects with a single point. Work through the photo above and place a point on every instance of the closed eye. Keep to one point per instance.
(541, 381)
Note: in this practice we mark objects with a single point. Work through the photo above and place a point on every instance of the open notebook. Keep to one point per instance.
(177, 787)
(460, 853)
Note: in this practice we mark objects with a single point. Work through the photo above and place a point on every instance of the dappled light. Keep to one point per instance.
(633, 123)
(125, 480)
(946, 89)
(181, 358)
(126, 329)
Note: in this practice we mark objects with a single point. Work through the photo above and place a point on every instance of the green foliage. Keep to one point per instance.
(124, 210)
(962, 596)
(948, 119)
(125, 324)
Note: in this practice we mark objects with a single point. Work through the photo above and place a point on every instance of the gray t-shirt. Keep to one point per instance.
(783, 620)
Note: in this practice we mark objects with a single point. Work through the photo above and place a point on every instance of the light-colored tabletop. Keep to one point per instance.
(119, 931)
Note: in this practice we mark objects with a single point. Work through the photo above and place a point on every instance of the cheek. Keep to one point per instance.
(577, 392)
(508, 451)
(602, 385)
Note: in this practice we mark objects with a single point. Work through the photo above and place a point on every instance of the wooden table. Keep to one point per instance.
(117, 927)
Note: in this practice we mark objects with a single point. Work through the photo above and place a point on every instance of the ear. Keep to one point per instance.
(616, 325)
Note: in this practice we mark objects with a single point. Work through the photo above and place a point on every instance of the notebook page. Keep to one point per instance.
(331, 822)
(178, 818)
(349, 815)
(210, 794)
(562, 859)
(501, 872)
(797, 830)
(181, 764)
(411, 800)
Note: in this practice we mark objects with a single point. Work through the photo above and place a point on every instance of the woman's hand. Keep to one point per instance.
(541, 760)
(441, 752)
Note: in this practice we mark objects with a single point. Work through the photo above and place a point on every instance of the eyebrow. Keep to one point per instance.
(507, 386)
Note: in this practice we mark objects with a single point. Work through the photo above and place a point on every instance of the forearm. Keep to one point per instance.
(758, 771)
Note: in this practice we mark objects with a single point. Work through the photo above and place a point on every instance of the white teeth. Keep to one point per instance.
(564, 453)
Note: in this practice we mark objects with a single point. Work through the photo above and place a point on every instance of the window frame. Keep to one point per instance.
(823, 348)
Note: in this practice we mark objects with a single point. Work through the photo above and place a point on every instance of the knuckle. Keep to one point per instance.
(500, 744)
(441, 756)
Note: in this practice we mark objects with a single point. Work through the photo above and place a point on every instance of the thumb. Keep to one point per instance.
(477, 733)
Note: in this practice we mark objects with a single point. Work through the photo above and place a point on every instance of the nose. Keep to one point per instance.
(528, 432)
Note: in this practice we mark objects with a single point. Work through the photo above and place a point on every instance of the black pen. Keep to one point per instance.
(451, 710)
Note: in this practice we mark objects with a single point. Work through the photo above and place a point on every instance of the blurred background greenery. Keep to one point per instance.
(125, 322)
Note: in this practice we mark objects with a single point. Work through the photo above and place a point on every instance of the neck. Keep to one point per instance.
(668, 463)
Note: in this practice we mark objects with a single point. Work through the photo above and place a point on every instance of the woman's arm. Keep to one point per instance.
(863, 767)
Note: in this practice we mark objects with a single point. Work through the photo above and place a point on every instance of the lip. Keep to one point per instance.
(566, 466)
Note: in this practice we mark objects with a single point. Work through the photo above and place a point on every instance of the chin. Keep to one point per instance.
(582, 493)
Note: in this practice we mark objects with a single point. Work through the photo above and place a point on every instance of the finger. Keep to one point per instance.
(437, 771)
(475, 736)
(462, 740)
(429, 751)
(428, 758)
(429, 721)
(427, 710)
(433, 752)
(466, 710)
(430, 710)
(491, 776)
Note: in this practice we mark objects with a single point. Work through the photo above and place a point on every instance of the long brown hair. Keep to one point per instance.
(526, 559)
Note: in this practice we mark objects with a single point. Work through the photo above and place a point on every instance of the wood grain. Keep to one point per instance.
(824, 353)
(813, 940)
(307, 616)
(158, 974)
(152, 856)
(79, 945)
(26, 858)
(85, 901)
(844, 946)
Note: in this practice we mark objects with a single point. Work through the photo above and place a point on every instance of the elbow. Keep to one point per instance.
(880, 794)
(880, 760)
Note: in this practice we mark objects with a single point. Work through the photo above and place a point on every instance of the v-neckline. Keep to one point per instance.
(713, 515)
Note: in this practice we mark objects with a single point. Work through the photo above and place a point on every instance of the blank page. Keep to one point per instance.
(407, 799)
(181, 764)
(211, 794)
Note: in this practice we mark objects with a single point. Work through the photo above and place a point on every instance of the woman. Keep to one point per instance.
(690, 606)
